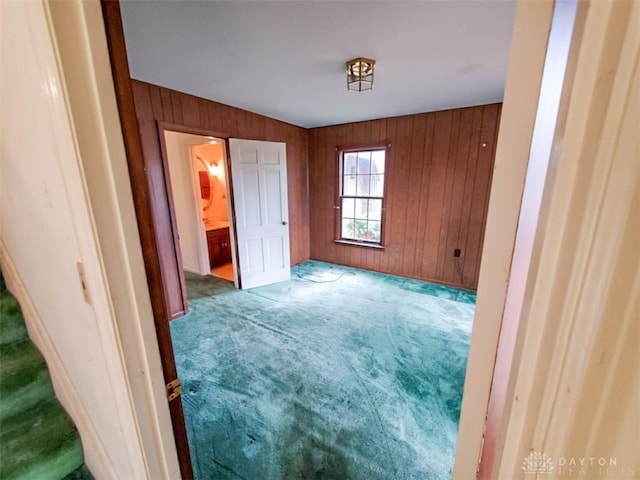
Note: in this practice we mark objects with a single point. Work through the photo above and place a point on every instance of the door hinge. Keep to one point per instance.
(174, 389)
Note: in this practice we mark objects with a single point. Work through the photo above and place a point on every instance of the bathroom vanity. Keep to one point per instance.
(219, 244)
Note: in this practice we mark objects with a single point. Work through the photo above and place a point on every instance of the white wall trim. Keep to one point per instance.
(531, 224)
(201, 234)
(178, 148)
(524, 77)
(579, 332)
(48, 230)
(95, 455)
(574, 389)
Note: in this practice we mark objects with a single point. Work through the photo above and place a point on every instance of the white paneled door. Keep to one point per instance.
(259, 176)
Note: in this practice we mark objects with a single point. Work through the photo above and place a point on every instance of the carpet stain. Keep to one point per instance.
(338, 374)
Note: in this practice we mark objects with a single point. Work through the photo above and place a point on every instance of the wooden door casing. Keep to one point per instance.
(147, 203)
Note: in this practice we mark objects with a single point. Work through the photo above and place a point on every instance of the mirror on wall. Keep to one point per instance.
(206, 188)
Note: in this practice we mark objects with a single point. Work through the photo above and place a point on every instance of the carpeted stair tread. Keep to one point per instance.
(37, 438)
(40, 442)
(19, 363)
(24, 378)
(12, 326)
(25, 396)
(80, 473)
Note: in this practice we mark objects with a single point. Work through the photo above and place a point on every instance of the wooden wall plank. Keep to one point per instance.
(467, 203)
(423, 201)
(486, 153)
(448, 193)
(142, 101)
(167, 106)
(156, 101)
(176, 106)
(487, 184)
(452, 271)
(203, 112)
(191, 112)
(399, 180)
(413, 187)
(437, 193)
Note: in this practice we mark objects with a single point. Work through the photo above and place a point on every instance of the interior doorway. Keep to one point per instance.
(229, 201)
(201, 190)
(209, 162)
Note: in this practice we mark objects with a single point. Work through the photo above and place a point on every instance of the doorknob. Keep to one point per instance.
(284, 223)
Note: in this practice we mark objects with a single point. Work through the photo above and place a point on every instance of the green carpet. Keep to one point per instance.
(37, 438)
(80, 473)
(338, 374)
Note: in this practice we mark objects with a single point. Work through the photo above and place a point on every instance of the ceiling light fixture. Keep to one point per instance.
(360, 74)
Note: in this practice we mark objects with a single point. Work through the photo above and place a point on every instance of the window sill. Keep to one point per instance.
(354, 243)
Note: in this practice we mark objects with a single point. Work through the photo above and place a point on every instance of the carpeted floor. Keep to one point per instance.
(338, 374)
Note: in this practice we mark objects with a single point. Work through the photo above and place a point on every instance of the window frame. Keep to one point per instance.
(340, 152)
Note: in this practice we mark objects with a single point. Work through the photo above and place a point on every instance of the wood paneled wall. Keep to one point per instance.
(155, 104)
(439, 171)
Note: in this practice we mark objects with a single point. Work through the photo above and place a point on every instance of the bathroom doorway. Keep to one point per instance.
(209, 162)
(199, 179)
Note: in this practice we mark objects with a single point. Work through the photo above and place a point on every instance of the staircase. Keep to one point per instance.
(37, 438)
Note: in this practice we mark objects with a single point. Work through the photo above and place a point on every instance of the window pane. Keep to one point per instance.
(362, 208)
(364, 162)
(377, 161)
(347, 228)
(373, 231)
(360, 229)
(377, 185)
(375, 209)
(349, 166)
(349, 185)
(348, 207)
(377, 164)
(362, 189)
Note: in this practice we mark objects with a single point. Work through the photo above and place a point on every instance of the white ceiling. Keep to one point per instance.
(285, 59)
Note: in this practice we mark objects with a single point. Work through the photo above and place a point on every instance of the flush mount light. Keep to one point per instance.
(360, 74)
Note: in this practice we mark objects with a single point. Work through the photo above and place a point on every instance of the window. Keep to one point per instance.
(361, 199)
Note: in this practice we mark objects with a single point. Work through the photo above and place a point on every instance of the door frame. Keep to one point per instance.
(527, 92)
(169, 183)
(144, 209)
(535, 108)
(180, 128)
